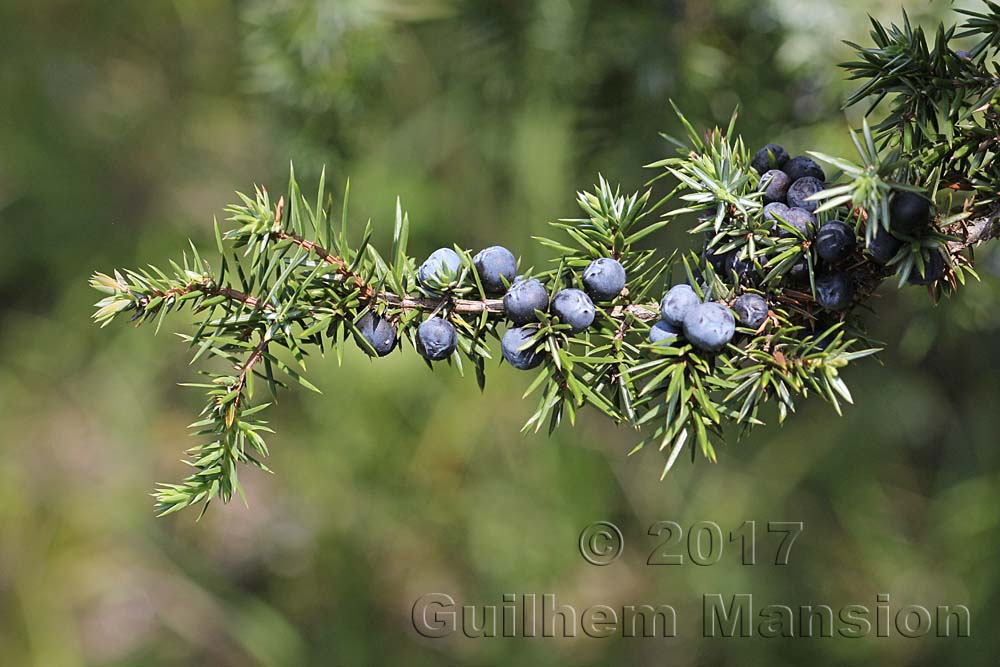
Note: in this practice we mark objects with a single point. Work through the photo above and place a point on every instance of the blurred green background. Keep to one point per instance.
(127, 125)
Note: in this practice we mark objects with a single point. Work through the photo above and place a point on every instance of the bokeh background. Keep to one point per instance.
(126, 126)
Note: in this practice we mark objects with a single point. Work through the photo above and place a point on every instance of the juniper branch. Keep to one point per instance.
(301, 285)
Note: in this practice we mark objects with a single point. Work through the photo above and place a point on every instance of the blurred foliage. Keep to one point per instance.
(125, 127)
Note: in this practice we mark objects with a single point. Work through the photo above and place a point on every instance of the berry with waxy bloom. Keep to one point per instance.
(803, 167)
(801, 190)
(677, 301)
(751, 309)
(775, 184)
(523, 298)
(378, 332)
(441, 266)
(664, 332)
(436, 338)
(518, 350)
(496, 267)
(604, 278)
(709, 326)
(801, 220)
(573, 307)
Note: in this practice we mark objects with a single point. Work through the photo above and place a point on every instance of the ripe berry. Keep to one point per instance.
(379, 332)
(775, 210)
(709, 326)
(679, 300)
(834, 291)
(801, 220)
(496, 267)
(802, 167)
(573, 307)
(909, 213)
(775, 184)
(798, 274)
(769, 157)
(800, 191)
(741, 266)
(835, 241)
(663, 332)
(522, 300)
(441, 267)
(436, 338)
(934, 268)
(751, 310)
(884, 246)
(604, 278)
(516, 348)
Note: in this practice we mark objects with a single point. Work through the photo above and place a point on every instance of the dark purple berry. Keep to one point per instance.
(676, 302)
(775, 210)
(801, 190)
(440, 268)
(751, 310)
(834, 291)
(769, 157)
(909, 213)
(522, 300)
(664, 332)
(775, 184)
(573, 307)
(802, 167)
(799, 219)
(798, 274)
(741, 266)
(835, 241)
(935, 266)
(378, 332)
(884, 246)
(518, 350)
(717, 261)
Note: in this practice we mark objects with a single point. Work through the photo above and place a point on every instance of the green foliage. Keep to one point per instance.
(943, 102)
(302, 283)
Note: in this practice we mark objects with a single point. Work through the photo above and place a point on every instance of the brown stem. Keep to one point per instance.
(970, 233)
(338, 262)
(247, 367)
(248, 299)
(645, 313)
(207, 288)
(976, 231)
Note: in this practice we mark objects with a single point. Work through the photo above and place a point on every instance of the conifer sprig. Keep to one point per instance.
(292, 281)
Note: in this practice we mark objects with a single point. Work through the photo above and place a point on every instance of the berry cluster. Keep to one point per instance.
(789, 185)
(523, 300)
(710, 325)
(789, 189)
(603, 280)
